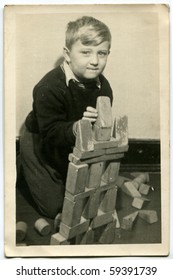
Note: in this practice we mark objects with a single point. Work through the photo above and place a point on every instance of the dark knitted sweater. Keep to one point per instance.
(56, 107)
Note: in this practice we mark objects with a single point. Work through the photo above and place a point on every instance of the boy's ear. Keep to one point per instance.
(66, 54)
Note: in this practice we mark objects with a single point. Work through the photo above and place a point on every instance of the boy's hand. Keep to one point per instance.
(90, 114)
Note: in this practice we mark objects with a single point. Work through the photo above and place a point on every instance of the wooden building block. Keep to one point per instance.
(101, 219)
(128, 221)
(120, 181)
(76, 178)
(72, 158)
(115, 218)
(117, 150)
(42, 226)
(91, 206)
(108, 200)
(102, 133)
(144, 189)
(99, 145)
(139, 202)
(21, 231)
(70, 232)
(84, 139)
(129, 189)
(58, 239)
(111, 171)
(85, 238)
(79, 196)
(149, 216)
(72, 212)
(142, 178)
(104, 110)
(145, 174)
(87, 154)
(103, 125)
(95, 174)
(120, 131)
(107, 235)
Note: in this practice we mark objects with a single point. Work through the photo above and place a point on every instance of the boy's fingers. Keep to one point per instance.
(90, 114)
(91, 109)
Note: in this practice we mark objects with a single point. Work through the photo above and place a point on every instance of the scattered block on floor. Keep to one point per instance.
(128, 221)
(111, 171)
(85, 238)
(76, 178)
(141, 178)
(146, 174)
(95, 174)
(42, 226)
(120, 130)
(21, 231)
(107, 234)
(57, 222)
(139, 202)
(70, 232)
(84, 139)
(120, 181)
(91, 206)
(115, 218)
(87, 154)
(108, 200)
(58, 239)
(72, 212)
(130, 189)
(149, 216)
(101, 219)
(144, 189)
(103, 125)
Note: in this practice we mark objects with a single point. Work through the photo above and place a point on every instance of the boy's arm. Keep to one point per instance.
(52, 118)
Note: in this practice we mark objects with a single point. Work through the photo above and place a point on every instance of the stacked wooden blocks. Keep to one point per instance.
(89, 211)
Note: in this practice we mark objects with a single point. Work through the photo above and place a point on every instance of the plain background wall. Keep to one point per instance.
(132, 68)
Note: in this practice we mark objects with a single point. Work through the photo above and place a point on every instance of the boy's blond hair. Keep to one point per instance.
(88, 30)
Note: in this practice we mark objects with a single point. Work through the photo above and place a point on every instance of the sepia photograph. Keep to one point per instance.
(86, 130)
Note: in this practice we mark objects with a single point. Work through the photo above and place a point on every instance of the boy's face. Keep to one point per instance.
(87, 62)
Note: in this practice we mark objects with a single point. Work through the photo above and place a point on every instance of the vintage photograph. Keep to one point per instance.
(86, 130)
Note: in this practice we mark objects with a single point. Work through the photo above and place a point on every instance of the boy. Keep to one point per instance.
(63, 97)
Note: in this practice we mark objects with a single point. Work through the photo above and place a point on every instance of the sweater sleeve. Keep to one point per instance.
(51, 114)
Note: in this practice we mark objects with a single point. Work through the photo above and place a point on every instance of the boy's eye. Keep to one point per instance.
(103, 53)
(86, 53)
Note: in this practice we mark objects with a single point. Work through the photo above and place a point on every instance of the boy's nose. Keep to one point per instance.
(94, 59)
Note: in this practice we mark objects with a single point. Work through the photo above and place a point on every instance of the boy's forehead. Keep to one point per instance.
(102, 45)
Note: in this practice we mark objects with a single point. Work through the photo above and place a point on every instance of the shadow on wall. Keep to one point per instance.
(59, 61)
